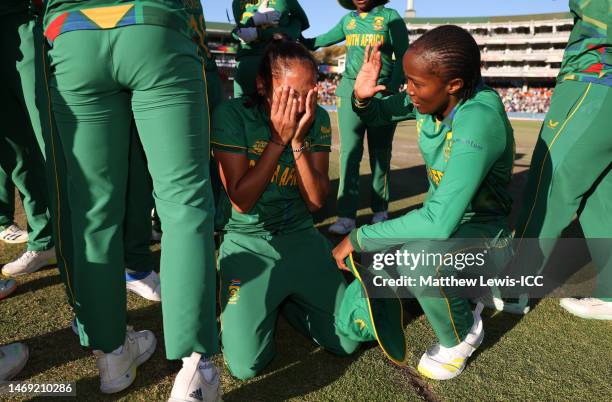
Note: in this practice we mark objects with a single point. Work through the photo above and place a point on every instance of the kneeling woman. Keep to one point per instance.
(273, 157)
(468, 146)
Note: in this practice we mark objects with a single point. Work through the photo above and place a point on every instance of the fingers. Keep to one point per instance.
(379, 88)
(276, 100)
(366, 54)
(282, 103)
(291, 107)
(311, 101)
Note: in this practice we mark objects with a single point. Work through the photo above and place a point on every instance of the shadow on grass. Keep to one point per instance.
(299, 368)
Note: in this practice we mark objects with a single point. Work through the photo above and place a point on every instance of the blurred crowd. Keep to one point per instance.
(516, 99)
(532, 100)
(327, 89)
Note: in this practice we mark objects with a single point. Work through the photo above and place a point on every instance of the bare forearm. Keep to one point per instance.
(314, 186)
(253, 183)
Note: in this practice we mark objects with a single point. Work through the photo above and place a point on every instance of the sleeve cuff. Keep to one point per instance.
(360, 104)
(354, 240)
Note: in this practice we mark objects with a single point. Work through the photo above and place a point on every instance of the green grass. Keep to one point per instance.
(547, 355)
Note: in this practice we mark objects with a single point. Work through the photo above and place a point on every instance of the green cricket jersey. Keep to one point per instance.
(243, 128)
(71, 15)
(588, 55)
(292, 22)
(379, 25)
(468, 157)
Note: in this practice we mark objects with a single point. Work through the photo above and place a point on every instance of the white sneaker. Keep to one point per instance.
(14, 235)
(7, 286)
(197, 381)
(342, 226)
(13, 358)
(588, 307)
(440, 363)
(118, 368)
(380, 217)
(30, 261)
(148, 287)
(519, 306)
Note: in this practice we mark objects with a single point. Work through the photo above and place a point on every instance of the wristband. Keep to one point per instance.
(300, 149)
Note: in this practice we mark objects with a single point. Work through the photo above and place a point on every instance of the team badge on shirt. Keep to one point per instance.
(379, 23)
(351, 25)
(234, 290)
(258, 147)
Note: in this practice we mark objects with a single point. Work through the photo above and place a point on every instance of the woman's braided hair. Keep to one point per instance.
(451, 52)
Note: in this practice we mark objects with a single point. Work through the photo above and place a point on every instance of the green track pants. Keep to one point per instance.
(21, 140)
(571, 173)
(7, 200)
(290, 274)
(352, 131)
(153, 75)
(449, 313)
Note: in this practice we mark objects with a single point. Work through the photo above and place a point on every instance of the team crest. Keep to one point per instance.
(234, 291)
(352, 24)
(325, 131)
(258, 147)
(379, 23)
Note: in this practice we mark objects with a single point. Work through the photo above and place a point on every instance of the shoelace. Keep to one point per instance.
(27, 256)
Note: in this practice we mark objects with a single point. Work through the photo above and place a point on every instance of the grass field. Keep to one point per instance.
(548, 355)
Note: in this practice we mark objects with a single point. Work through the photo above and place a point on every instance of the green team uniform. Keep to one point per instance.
(571, 166)
(137, 229)
(468, 157)
(379, 25)
(7, 200)
(272, 259)
(21, 158)
(142, 65)
(292, 22)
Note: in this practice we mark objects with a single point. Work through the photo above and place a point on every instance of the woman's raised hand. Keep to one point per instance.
(365, 83)
(283, 114)
(307, 118)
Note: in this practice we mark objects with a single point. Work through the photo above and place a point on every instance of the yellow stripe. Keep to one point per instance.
(450, 314)
(568, 118)
(57, 186)
(595, 22)
(227, 145)
(207, 105)
(356, 272)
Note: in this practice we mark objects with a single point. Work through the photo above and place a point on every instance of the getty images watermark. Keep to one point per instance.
(472, 267)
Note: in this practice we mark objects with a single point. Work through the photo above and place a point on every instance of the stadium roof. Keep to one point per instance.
(495, 19)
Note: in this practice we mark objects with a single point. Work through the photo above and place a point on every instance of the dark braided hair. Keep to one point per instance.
(451, 52)
(277, 57)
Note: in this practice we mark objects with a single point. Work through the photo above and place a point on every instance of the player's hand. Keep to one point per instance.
(266, 15)
(307, 119)
(283, 114)
(247, 35)
(365, 83)
(341, 251)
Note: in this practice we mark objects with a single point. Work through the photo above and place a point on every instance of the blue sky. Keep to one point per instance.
(324, 14)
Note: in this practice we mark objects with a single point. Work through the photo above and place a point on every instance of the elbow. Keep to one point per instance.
(314, 207)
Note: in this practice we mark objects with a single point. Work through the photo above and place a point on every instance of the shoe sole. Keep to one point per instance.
(112, 389)
(17, 369)
(433, 376)
(141, 295)
(48, 263)
(218, 399)
(14, 241)
(10, 292)
(604, 317)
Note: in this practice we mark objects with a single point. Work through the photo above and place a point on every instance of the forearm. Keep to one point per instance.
(246, 191)
(314, 185)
